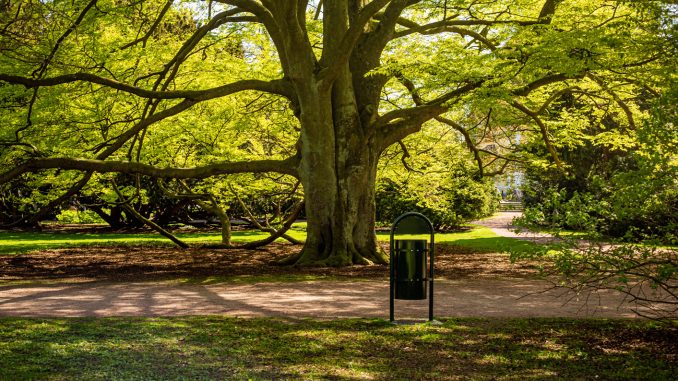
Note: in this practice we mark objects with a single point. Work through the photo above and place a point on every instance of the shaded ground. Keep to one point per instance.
(225, 348)
(317, 299)
(146, 281)
(146, 263)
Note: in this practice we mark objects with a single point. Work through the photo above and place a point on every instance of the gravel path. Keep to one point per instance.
(476, 294)
(317, 299)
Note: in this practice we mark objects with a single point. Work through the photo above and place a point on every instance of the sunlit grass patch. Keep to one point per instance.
(21, 242)
(477, 238)
(480, 239)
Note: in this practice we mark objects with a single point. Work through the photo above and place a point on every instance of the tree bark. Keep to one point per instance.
(339, 156)
(341, 219)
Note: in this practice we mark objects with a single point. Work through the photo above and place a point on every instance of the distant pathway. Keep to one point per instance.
(469, 297)
(502, 225)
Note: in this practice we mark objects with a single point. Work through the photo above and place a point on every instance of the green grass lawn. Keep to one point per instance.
(477, 238)
(225, 348)
(12, 242)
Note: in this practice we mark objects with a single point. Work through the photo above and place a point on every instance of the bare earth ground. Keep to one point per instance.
(142, 281)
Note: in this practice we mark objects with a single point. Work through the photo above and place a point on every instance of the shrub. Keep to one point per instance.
(447, 207)
(69, 216)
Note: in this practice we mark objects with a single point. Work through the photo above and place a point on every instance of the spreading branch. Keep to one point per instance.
(544, 81)
(470, 144)
(617, 99)
(428, 110)
(130, 209)
(279, 87)
(545, 15)
(542, 129)
(287, 166)
(152, 29)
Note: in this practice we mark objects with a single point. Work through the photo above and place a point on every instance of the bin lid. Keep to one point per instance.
(412, 223)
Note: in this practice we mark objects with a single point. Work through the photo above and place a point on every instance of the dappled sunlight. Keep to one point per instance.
(355, 349)
(323, 299)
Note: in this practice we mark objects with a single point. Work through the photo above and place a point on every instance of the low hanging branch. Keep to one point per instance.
(287, 166)
(279, 86)
(212, 206)
(278, 233)
(542, 129)
(126, 205)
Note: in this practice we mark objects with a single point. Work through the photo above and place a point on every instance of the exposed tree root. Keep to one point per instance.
(333, 257)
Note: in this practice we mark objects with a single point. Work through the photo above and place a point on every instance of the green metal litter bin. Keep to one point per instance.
(410, 269)
(411, 261)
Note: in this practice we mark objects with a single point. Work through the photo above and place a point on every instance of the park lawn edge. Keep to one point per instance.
(479, 238)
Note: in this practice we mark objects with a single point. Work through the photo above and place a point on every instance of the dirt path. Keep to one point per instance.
(317, 299)
(502, 225)
(139, 281)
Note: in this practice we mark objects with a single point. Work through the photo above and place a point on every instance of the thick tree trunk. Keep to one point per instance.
(341, 221)
(338, 171)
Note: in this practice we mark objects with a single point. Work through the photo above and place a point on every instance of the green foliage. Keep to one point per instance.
(441, 182)
(631, 194)
(446, 207)
(70, 216)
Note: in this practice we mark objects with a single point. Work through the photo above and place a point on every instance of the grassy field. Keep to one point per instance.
(228, 348)
(11, 242)
(204, 348)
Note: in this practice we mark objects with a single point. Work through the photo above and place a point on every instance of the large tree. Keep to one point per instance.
(357, 75)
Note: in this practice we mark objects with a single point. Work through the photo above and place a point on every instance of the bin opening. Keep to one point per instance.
(411, 269)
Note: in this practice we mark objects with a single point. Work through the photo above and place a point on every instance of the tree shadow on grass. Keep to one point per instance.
(229, 349)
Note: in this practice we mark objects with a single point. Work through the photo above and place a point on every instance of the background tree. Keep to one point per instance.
(435, 174)
(619, 185)
(108, 82)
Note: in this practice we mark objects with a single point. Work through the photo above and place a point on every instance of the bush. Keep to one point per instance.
(79, 217)
(633, 205)
(446, 206)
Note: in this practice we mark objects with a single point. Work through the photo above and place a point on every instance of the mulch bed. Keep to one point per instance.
(147, 262)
